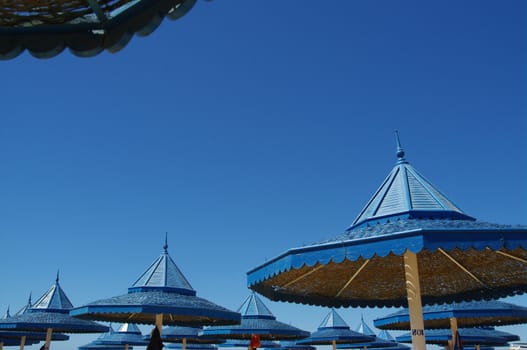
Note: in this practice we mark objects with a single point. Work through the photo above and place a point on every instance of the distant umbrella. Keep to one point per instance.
(467, 314)
(256, 319)
(160, 296)
(185, 335)
(293, 345)
(51, 313)
(409, 246)
(334, 330)
(469, 336)
(462, 315)
(195, 346)
(128, 334)
(381, 341)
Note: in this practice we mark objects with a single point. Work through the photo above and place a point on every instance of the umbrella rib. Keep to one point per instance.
(353, 277)
(302, 276)
(512, 256)
(461, 266)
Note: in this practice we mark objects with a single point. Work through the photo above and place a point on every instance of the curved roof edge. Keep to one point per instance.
(88, 39)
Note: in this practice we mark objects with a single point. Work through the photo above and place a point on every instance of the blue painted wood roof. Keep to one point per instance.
(164, 274)
(256, 318)
(333, 320)
(26, 307)
(469, 336)
(161, 289)
(53, 299)
(254, 306)
(468, 314)
(406, 193)
(334, 329)
(364, 328)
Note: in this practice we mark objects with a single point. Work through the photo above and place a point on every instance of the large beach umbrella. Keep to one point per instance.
(256, 319)
(409, 246)
(334, 330)
(127, 335)
(469, 336)
(86, 27)
(49, 314)
(382, 340)
(160, 296)
(463, 315)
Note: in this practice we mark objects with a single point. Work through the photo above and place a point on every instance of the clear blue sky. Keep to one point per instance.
(247, 128)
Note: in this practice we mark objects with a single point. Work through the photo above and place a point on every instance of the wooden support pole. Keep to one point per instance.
(415, 308)
(48, 338)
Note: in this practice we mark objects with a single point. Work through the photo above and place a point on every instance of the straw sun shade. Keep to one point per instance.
(409, 246)
(87, 27)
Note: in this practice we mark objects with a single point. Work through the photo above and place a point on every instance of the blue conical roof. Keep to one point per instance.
(333, 330)
(53, 299)
(25, 308)
(254, 307)
(405, 193)
(333, 320)
(364, 328)
(163, 273)
(130, 328)
(385, 335)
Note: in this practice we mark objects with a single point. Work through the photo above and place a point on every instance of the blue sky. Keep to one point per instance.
(248, 128)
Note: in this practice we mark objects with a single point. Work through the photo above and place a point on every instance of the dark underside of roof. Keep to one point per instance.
(85, 27)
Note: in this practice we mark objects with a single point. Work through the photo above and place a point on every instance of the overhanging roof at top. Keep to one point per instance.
(85, 27)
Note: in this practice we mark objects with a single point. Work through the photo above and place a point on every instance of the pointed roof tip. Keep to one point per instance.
(364, 328)
(406, 194)
(53, 299)
(164, 274)
(333, 320)
(253, 306)
(400, 150)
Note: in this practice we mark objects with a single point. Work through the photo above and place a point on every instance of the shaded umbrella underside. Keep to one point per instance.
(46, 28)
(459, 275)
(142, 308)
(38, 336)
(339, 336)
(469, 336)
(376, 343)
(467, 315)
(267, 329)
(59, 322)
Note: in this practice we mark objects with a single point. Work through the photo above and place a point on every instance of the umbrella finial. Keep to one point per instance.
(29, 299)
(165, 247)
(57, 279)
(400, 150)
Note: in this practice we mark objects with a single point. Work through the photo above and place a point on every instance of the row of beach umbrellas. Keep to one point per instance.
(256, 318)
(410, 246)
